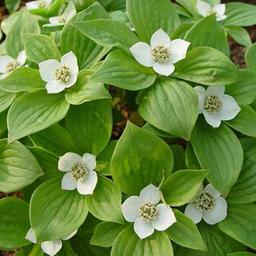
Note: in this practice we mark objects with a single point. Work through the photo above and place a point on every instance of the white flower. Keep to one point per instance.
(146, 213)
(80, 172)
(59, 75)
(8, 63)
(209, 205)
(68, 13)
(49, 247)
(38, 4)
(161, 54)
(215, 105)
(206, 9)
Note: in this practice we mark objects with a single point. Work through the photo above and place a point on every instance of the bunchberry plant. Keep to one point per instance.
(126, 128)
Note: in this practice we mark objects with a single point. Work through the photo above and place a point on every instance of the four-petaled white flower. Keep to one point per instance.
(59, 75)
(8, 63)
(206, 9)
(215, 105)
(146, 212)
(68, 13)
(80, 172)
(49, 247)
(207, 204)
(161, 54)
(38, 4)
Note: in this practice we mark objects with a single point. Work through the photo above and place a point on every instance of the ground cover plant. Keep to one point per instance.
(127, 128)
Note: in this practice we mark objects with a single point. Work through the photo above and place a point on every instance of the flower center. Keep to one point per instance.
(42, 4)
(79, 172)
(161, 54)
(212, 11)
(11, 66)
(63, 74)
(61, 19)
(204, 201)
(212, 104)
(148, 211)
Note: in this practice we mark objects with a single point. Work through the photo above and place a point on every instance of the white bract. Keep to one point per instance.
(68, 13)
(49, 247)
(38, 4)
(215, 105)
(207, 204)
(9, 64)
(59, 75)
(161, 54)
(206, 9)
(80, 172)
(146, 212)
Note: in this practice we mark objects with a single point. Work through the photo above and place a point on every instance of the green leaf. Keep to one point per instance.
(179, 157)
(244, 191)
(171, 106)
(40, 48)
(240, 224)
(241, 254)
(105, 202)
(207, 66)
(19, 167)
(82, 4)
(104, 158)
(22, 79)
(220, 151)
(107, 32)
(191, 160)
(119, 63)
(56, 139)
(14, 223)
(34, 112)
(181, 31)
(48, 162)
(239, 34)
(214, 37)
(25, 23)
(3, 123)
(51, 11)
(6, 99)
(113, 5)
(86, 89)
(244, 122)
(82, 246)
(185, 233)
(12, 5)
(105, 234)
(128, 243)
(189, 5)
(244, 90)
(9, 21)
(90, 125)
(182, 186)
(250, 57)
(148, 16)
(240, 14)
(217, 242)
(86, 51)
(55, 213)
(140, 158)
